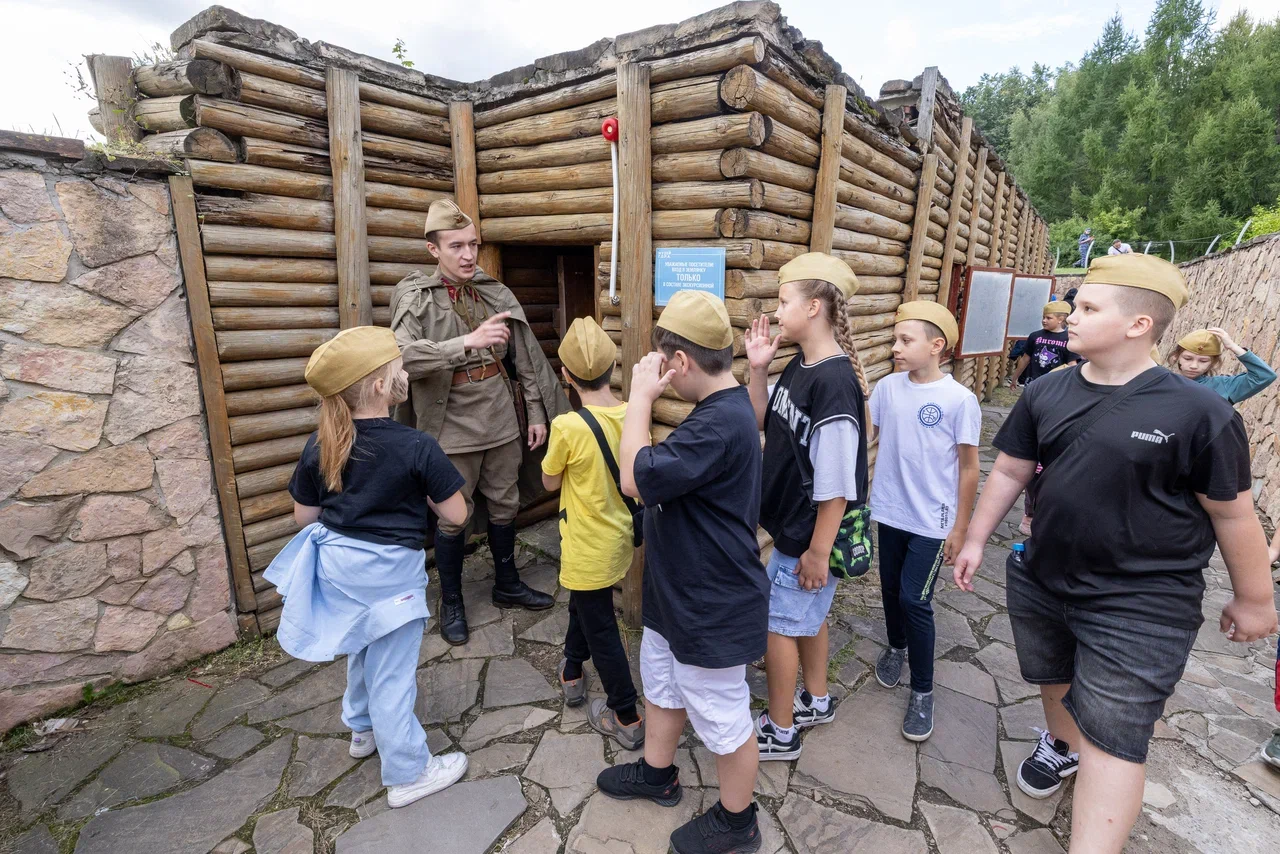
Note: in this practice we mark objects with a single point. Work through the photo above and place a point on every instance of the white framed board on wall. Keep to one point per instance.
(1030, 294)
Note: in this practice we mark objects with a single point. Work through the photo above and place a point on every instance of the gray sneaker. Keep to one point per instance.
(604, 720)
(918, 723)
(889, 667)
(1271, 750)
(575, 690)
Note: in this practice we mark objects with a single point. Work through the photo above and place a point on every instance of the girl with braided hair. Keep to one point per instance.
(815, 472)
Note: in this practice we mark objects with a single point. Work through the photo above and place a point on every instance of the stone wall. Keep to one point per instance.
(1239, 290)
(112, 559)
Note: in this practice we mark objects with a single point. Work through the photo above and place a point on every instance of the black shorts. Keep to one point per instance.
(1121, 670)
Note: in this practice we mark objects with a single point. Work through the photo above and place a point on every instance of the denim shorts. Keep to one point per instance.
(794, 611)
(1121, 670)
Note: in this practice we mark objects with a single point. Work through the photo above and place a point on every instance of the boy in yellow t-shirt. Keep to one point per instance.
(595, 534)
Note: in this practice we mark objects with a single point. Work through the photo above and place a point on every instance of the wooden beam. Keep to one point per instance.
(215, 404)
(928, 102)
(346, 158)
(957, 202)
(824, 197)
(919, 231)
(635, 257)
(1024, 232)
(462, 131)
(975, 227)
(113, 84)
(1010, 239)
(997, 220)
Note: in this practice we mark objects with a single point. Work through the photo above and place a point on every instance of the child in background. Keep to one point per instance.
(815, 466)
(354, 578)
(706, 595)
(1045, 349)
(1199, 353)
(595, 532)
(1104, 623)
(926, 481)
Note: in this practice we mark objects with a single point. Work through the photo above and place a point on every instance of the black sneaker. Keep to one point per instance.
(806, 714)
(710, 833)
(917, 724)
(889, 666)
(626, 783)
(771, 744)
(1041, 774)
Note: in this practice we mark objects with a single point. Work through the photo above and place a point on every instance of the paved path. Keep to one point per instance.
(240, 755)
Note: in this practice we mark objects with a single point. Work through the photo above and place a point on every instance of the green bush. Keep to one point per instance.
(1266, 220)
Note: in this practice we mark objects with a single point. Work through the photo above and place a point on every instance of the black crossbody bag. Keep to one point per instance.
(853, 549)
(636, 510)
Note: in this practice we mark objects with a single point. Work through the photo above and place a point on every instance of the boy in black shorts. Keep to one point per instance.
(1103, 621)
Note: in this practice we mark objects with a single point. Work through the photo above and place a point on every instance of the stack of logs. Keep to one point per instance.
(254, 134)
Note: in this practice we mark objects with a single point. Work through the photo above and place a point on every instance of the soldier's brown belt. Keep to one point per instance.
(476, 375)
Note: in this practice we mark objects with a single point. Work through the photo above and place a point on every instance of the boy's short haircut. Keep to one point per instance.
(711, 361)
(433, 237)
(1153, 304)
(931, 330)
(590, 385)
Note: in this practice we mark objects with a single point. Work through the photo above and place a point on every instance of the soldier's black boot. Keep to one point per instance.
(508, 590)
(453, 616)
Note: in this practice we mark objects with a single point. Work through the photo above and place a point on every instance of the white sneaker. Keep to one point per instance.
(441, 773)
(362, 744)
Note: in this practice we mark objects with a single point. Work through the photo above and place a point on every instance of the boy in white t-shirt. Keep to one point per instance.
(922, 495)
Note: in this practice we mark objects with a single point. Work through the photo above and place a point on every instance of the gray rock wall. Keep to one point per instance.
(113, 565)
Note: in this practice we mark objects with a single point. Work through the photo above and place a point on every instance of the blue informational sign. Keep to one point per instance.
(691, 269)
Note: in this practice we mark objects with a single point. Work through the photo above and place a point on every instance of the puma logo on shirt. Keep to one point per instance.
(1157, 437)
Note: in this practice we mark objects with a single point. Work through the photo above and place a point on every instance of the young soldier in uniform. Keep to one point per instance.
(454, 329)
(1103, 621)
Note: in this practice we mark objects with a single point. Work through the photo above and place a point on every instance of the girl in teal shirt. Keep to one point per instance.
(1200, 352)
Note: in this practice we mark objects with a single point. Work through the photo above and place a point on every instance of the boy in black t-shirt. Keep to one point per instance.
(1045, 349)
(1103, 622)
(706, 596)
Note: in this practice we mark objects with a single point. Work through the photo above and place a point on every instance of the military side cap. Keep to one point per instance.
(1140, 271)
(1057, 307)
(345, 358)
(699, 317)
(587, 351)
(820, 266)
(445, 215)
(930, 312)
(1202, 342)
(1155, 354)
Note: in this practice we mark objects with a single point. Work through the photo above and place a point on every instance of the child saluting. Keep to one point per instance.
(354, 578)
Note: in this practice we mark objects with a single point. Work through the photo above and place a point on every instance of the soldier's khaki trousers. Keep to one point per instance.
(496, 473)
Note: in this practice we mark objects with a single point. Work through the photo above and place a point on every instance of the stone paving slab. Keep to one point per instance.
(550, 630)
(463, 819)
(235, 742)
(486, 642)
(325, 684)
(39, 779)
(286, 672)
(195, 820)
(143, 770)
(447, 689)
(542, 838)
(169, 712)
(628, 827)
(964, 731)
(358, 786)
(496, 758)
(325, 719)
(817, 829)
(317, 763)
(957, 831)
(513, 682)
(37, 840)
(501, 723)
(281, 833)
(567, 766)
(227, 705)
(966, 679)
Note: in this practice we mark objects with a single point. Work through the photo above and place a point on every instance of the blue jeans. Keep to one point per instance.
(909, 566)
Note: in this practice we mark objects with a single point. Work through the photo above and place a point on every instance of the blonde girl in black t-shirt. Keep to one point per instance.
(815, 463)
(354, 578)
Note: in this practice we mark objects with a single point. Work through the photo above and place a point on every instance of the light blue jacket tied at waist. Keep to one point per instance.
(341, 594)
(1238, 387)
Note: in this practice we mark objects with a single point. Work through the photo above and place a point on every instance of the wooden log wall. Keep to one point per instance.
(300, 234)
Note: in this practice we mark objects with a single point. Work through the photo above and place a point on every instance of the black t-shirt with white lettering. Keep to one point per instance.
(392, 471)
(805, 398)
(705, 589)
(1045, 350)
(1118, 527)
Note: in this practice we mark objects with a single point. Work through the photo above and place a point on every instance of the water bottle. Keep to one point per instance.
(1019, 551)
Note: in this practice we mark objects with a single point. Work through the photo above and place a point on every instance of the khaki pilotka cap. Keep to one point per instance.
(587, 351)
(1139, 271)
(820, 266)
(1057, 307)
(1202, 342)
(700, 317)
(352, 354)
(930, 312)
(445, 215)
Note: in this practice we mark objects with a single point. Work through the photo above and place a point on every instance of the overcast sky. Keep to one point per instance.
(42, 42)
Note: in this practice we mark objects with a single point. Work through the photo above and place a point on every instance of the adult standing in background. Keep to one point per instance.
(1085, 243)
(458, 331)
(1120, 248)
